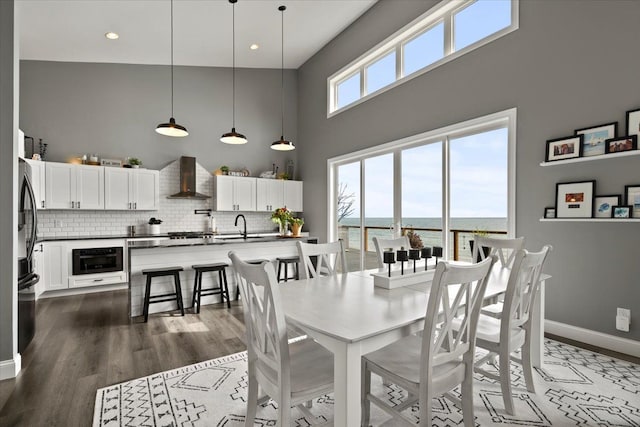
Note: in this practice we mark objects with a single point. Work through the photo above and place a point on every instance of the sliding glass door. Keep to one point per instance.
(439, 188)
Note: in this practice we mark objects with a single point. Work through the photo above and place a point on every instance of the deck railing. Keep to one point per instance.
(457, 234)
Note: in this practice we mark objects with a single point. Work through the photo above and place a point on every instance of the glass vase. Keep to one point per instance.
(283, 228)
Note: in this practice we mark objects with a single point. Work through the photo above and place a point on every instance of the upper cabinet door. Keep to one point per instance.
(60, 186)
(89, 187)
(293, 195)
(245, 193)
(146, 189)
(38, 182)
(269, 194)
(224, 193)
(117, 188)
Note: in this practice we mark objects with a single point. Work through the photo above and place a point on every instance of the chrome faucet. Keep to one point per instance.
(244, 220)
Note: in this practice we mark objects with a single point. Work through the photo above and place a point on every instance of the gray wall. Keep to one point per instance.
(113, 109)
(570, 65)
(8, 181)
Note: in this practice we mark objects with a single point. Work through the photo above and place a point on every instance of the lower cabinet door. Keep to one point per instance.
(56, 265)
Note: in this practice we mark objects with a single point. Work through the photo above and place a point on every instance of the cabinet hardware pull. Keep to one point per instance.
(98, 280)
(43, 204)
(73, 205)
(78, 205)
(135, 205)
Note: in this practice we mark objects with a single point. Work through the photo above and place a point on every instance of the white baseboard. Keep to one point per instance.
(10, 368)
(610, 342)
(79, 291)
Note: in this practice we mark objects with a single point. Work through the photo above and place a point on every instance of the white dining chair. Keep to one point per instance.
(505, 250)
(330, 259)
(512, 331)
(439, 360)
(290, 373)
(389, 244)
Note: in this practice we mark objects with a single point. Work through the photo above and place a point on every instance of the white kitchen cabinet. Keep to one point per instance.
(235, 193)
(38, 182)
(39, 268)
(292, 195)
(270, 195)
(131, 189)
(70, 186)
(56, 265)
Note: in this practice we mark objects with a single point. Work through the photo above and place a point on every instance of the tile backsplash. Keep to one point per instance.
(176, 214)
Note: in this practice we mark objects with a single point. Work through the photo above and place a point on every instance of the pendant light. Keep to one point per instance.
(282, 144)
(234, 137)
(172, 128)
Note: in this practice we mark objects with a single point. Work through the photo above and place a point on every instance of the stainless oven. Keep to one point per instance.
(97, 260)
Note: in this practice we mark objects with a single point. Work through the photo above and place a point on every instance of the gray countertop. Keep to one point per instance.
(170, 243)
(89, 237)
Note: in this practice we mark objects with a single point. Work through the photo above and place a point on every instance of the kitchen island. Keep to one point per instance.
(184, 253)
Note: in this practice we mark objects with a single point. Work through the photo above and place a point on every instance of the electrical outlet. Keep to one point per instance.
(623, 319)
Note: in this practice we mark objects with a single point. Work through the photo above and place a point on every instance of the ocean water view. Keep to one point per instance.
(382, 228)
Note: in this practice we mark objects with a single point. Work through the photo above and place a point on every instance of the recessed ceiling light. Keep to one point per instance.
(112, 36)
(254, 46)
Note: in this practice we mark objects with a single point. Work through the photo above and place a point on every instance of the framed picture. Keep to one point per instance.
(602, 205)
(568, 147)
(621, 212)
(594, 138)
(623, 143)
(633, 122)
(632, 198)
(575, 199)
(549, 212)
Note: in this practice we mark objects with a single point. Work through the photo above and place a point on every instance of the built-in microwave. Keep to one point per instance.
(97, 260)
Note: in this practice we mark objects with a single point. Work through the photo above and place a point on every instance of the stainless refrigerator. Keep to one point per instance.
(27, 278)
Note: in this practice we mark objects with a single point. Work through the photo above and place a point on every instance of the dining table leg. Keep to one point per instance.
(346, 378)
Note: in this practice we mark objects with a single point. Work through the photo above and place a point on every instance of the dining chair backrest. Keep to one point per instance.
(329, 259)
(267, 343)
(455, 289)
(389, 244)
(505, 249)
(522, 290)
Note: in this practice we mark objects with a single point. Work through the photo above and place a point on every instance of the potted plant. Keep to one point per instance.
(296, 226)
(224, 169)
(135, 162)
(154, 226)
(414, 239)
(281, 216)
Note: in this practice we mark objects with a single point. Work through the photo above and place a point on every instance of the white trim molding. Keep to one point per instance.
(10, 368)
(599, 339)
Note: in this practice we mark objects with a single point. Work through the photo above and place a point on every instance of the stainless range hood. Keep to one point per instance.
(188, 180)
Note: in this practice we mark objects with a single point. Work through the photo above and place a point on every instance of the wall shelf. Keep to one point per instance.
(589, 219)
(588, 159)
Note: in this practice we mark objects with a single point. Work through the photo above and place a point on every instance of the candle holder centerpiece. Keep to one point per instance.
(437, 253)
(426, 254)
(414, 254)
(402, 256)
(388, 257)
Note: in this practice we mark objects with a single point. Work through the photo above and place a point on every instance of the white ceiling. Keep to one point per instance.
(73, 30)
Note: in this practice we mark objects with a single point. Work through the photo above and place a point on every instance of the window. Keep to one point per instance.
(446, 31)
(423, 50)
(443, 185)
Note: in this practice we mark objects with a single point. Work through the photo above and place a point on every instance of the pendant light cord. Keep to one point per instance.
(282, 9)
(172, 58)
(234, 66)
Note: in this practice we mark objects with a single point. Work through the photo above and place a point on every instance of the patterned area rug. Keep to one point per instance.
(575, 388)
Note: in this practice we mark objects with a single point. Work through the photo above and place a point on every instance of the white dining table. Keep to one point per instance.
(351, 317)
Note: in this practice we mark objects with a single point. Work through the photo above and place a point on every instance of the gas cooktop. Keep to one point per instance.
(190, 235)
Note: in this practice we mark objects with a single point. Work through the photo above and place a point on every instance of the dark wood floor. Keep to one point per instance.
(86, 342)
